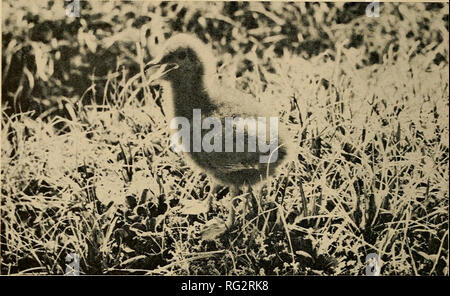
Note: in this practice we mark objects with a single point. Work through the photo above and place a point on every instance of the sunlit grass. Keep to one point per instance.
(371, 175)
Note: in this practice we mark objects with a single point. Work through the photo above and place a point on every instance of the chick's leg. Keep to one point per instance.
(234, 192)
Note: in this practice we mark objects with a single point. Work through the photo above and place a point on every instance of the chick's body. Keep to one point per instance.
(193, 87)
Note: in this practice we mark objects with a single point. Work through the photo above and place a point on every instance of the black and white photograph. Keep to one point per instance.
(224, 138)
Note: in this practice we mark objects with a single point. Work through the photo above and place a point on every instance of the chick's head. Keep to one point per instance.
(185, 57)
(182, 62)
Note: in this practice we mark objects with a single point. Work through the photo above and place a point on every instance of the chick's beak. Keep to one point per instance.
(163, 68)
(155, 70)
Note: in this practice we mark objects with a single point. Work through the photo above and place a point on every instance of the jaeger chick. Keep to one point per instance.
(189, 67)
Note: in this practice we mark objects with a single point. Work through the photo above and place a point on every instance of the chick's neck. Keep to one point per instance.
(190, 92)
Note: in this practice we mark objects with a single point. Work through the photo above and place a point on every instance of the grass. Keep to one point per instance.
(371, 176)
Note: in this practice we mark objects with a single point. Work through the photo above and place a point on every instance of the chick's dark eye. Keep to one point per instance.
(182, 55)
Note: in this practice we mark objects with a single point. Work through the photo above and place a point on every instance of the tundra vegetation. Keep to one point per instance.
(86, 167)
